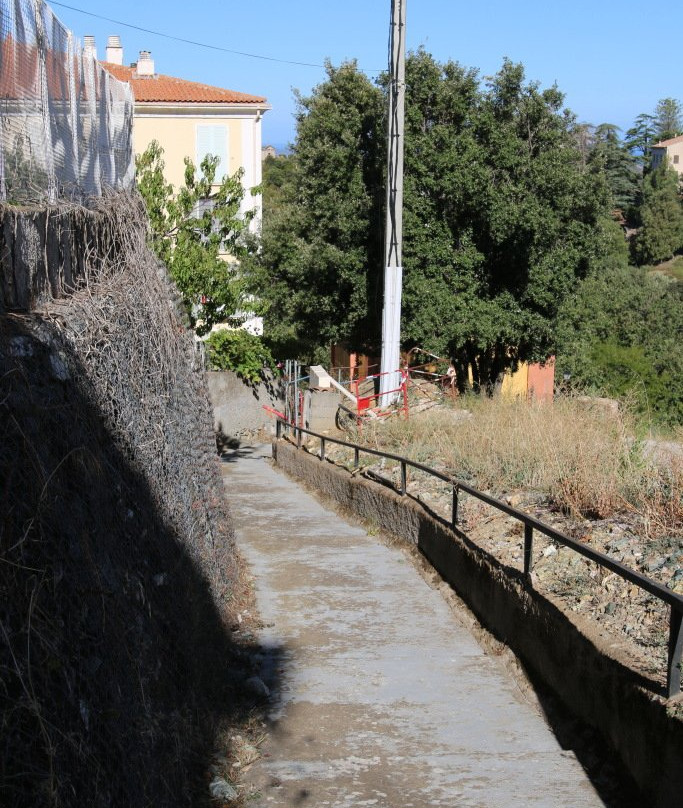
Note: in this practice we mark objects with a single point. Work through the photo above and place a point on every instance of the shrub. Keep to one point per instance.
(620, 335)
(239, 351)
(628, 371)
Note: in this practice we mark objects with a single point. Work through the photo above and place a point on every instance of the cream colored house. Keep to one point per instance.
(673, 149)
(190, 119)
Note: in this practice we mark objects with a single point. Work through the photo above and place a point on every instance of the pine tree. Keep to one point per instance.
(640, 138)
(668, 118)
(618, 164)
(661, 214)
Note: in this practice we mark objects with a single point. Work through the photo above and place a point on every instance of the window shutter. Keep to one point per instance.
(213, 140)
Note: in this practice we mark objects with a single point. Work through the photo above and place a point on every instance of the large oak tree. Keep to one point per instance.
(502, 216)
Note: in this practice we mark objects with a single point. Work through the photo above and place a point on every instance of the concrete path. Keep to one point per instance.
(380, 697)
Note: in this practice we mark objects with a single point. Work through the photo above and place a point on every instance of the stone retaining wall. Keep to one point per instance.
(583, 666)
(119, 576)
(238, 405)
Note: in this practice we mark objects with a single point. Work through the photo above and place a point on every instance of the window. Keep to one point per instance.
(213, 140)
(675, 159)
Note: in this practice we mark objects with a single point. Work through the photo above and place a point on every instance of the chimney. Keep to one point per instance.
(114, 50)
(145, 66)
(89, 46)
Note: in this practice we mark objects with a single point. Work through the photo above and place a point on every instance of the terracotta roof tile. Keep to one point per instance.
(169, 89)
(671, 142)
(19, 74)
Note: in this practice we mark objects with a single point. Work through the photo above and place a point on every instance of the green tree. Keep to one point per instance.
(668, 118)
(501, 216)
(665, 123)
(618, 164)
(319, 267)
(619, 334)
(193, 229)
(278, 176)
(640, 138)
(661, 234)
(584, 138)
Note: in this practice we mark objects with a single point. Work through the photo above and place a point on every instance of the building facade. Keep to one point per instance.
(671, 149)
(190, 119)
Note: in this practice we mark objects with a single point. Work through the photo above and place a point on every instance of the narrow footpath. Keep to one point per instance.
(379, 697)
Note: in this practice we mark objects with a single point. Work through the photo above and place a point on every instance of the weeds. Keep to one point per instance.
(580, 453)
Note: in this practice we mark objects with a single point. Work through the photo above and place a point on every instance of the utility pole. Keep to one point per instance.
(393, 248)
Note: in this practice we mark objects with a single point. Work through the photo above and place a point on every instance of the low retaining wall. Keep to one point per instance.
(584, 667)
(238, 406)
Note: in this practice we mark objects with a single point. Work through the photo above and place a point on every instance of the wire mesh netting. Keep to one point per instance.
(66, 124)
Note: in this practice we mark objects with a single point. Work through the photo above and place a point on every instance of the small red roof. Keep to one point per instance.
(172, 90)
(671, 142)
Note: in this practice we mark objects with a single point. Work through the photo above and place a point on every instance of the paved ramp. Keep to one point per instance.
(380, 697)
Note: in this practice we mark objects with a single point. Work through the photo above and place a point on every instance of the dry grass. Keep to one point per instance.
(580, 453)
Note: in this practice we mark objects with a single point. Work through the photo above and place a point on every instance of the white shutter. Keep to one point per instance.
(213, 140)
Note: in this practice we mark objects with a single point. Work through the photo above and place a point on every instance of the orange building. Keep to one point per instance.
(190, 119)
(535, 381)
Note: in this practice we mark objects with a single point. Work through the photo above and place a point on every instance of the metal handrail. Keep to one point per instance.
(675, 601)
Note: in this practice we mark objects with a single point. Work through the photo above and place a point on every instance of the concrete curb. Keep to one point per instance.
(583, 666)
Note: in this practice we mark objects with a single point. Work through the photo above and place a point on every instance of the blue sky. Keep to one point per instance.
(612, 60)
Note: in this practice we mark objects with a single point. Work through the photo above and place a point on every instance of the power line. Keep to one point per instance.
(191, 41)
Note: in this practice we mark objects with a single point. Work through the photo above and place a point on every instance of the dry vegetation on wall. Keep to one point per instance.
(148, 384)
(117, 563)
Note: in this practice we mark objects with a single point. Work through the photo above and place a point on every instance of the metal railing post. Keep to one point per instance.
(278, 429)
(322, 448)
(298, 437)
(296, 397)
(287, 386)
(528, 546)
(673, 679)
(356, 457)
(404, 477)
(454, 511)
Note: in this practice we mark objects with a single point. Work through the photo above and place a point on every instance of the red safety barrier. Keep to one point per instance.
(364, 402)
(273, 411)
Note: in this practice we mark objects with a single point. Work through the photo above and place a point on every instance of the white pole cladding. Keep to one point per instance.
(393, 249)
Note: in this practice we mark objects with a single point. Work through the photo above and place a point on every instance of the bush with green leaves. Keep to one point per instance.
(620, 333)
(629, 373)
(239, 351)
